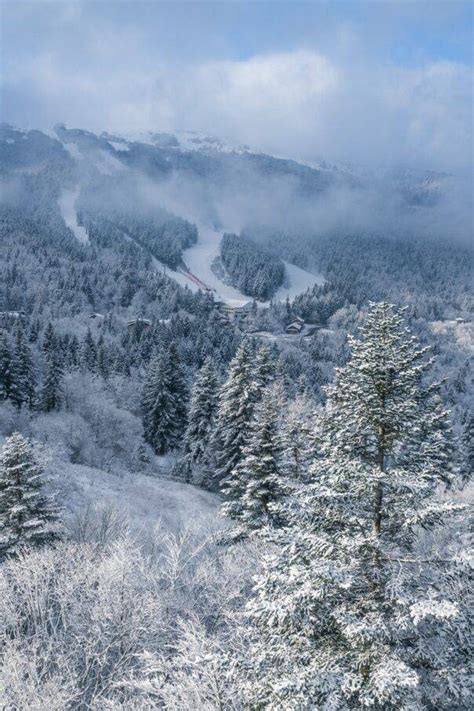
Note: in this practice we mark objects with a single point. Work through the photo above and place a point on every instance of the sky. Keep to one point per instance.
(367, 82)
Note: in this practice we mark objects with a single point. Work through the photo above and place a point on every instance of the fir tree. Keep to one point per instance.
(202, 412)
(5, 367)
(89, 353)
(347, 613)
(298, 438)
(467, 448)
(49, 339)
(164, 402)
(264, 369)
(51, 394)
(22, 374)
(27, 515)
(236, 407)
(255, 486)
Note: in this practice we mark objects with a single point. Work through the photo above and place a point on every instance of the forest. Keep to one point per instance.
(253, 270)
(196, 516)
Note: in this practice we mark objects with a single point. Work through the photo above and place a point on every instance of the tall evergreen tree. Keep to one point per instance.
(236, 407)
(51, 393)
(164, 402)
(298, 438)
(27, 515)
(22, 373)
(202, 413)
(49, 342)
(89, 353)
(347, 613)
(5, 367)
(264, 369)
(255, 486)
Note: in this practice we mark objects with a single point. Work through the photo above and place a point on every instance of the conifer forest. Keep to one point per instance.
(236, 377)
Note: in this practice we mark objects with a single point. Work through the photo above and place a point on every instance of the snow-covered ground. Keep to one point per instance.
(143, 500)
(67, 205)
(200, 257)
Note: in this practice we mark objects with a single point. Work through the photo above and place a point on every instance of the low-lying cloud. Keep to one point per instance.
(308, 103)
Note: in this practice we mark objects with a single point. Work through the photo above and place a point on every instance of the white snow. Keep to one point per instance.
(298, 281)
(145, 500)
(122, 146)
(106, 163)
(67, 205)
(73, 150)
(200, 257)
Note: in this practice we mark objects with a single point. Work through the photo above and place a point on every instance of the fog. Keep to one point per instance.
(373, 84)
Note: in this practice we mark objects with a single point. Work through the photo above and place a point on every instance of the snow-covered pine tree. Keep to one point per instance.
(89, 353)
(27, 515)
(255, 486)
(5, 367)
(467, 448)
(236, 407)
(51, 393)
(164, 402)
(354, 610)
(22, 373)
(49, 339)
(202, 412)
(298, 437)
(264, 369)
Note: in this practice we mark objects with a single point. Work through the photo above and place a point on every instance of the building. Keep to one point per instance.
(234, 309)
(295, 327)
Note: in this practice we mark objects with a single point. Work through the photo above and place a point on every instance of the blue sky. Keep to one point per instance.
(376, 81)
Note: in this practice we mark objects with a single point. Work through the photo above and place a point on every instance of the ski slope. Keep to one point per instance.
(199, 259)
(67, 205)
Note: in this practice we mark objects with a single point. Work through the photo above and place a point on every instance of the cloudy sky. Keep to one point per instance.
(376, 82)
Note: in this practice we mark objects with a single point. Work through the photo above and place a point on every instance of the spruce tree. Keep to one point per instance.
(164, 402)
(22, 373)
(264, 369)
(5, 367)
(348, 612)
(49, 339)
(27, 515)
(255, 486)
(89, 353)
(202, 413)
(236, 407)
(51, 394)
(298, 438)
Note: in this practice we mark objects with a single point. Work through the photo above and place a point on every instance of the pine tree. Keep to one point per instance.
(51, 394)
(5, 367)
(298, 438)
(236, 407)
(27, 515)
(202, 413)
(255, 486)
(22, 374)
(264, 369)
(164, 402)
(467, 448)
(49, 339)
(347, 613)
(89, 353)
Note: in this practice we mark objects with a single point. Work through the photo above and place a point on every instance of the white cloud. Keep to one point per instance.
(298, 103)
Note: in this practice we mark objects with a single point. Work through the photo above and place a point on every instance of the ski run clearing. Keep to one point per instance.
(200, 257)
(198, 260)
(67, 205)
